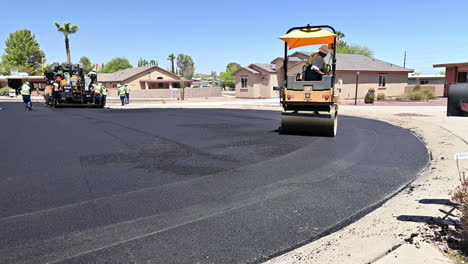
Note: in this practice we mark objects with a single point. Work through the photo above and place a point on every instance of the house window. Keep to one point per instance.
(423, 82)
(382, 80)
(462, 77)
(243, 82)
(264, 77)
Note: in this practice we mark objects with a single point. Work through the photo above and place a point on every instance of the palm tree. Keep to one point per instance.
(67, 29)
(171, 58)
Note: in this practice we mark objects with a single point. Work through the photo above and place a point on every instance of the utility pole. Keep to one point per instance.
(404, 61)
(357, 85)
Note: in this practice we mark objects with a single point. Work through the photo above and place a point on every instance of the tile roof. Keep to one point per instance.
(247, 69)
(357, 62)
(123, 75)
(265, 66)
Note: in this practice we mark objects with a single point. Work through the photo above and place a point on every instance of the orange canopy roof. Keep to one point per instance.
(307, 37)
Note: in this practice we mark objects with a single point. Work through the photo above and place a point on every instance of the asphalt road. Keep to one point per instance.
(185, 185)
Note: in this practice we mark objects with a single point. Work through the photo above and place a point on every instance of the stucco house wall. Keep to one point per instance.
(346, 83)
(152, 73)
(252, 90)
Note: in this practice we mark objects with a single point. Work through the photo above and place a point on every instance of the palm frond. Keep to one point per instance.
(59, 27)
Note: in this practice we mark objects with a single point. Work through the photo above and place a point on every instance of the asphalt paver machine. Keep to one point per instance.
(309, 107)
(75, 88)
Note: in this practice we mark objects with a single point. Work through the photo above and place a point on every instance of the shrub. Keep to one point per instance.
(421, 95)
(381, 96)
(428, 94)
(417, 88)
(5, 91)
(460, 196)
(370, 96)
(416, 96)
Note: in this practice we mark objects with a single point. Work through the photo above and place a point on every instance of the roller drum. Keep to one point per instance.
(310, 123)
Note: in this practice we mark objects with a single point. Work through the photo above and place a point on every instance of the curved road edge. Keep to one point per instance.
(379, 235)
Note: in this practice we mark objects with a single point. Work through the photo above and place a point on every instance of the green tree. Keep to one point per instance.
(343, 47)
(354, 49)
(233, 64)
(153, 63)
(227, 79)
(22, 52)
(67, 29)
(172, 58)
(442, 73)
(116, 64)
(339, 37)
(213, 76)
(87, 65)
(186, 66)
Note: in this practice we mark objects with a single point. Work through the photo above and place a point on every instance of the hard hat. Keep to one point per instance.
(324, 49)
(126, 84)
(118, 85)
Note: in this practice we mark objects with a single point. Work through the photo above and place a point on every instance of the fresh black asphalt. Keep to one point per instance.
(185, 185)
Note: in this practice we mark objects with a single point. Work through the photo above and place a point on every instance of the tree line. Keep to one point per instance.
(23, 52)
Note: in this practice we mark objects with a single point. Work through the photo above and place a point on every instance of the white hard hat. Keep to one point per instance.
(118, 85)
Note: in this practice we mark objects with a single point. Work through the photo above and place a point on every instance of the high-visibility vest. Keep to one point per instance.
(121, 91)
(127, 89)
(25, 90)
(103, 90)
(97, 89)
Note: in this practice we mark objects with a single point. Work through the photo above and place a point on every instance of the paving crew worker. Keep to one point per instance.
(121, 92)
(26, 93)
(97, 94)
(56, 91)
(103, 93)
(127, 94)
(314, 68)
(93, 76)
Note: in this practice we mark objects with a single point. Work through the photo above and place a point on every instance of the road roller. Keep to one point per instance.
(309, 107)
(457, 101)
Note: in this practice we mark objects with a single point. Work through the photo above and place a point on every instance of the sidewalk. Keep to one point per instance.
(392, 233)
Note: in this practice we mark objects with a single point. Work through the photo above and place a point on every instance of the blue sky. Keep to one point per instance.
(215, 33)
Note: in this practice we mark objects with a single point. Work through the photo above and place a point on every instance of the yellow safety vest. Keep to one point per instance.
(121, 91)
(25, 90)
(127, 89)
(97, 89)
(103, 90)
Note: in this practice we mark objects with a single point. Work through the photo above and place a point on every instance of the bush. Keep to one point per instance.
(460, 196)
(370, 96)
(5, 91)
(381, 96)
(418, 95)
(428, 94)
(417, 88)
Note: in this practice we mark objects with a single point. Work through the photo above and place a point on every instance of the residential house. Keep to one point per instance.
(384, 77)
(147, 77)
(154, 82)
(16, 79)
(434, 83)
(256, 81)
(454, 73)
